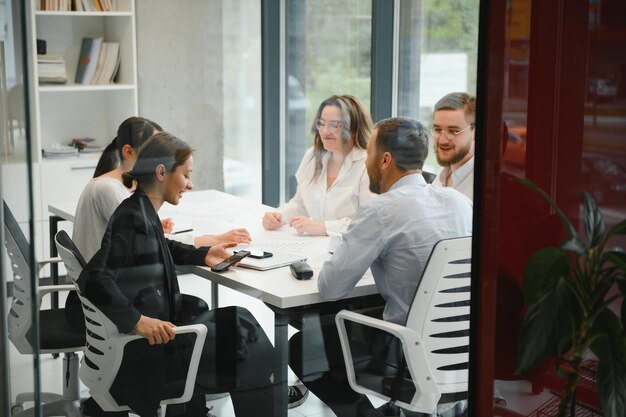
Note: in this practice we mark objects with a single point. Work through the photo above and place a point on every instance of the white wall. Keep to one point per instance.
(180, 77)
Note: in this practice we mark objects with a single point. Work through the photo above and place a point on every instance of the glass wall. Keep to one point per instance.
(328, 51)
(563, 104)
(19, 360)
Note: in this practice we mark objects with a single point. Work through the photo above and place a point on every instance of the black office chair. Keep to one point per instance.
(429, 177)
(55, 333)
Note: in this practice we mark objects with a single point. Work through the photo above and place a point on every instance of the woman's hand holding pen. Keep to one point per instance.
(156, 331)
(272, 220)
(168, 225)
(304, 224)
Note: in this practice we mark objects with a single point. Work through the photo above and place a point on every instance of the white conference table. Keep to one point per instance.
(214, 212)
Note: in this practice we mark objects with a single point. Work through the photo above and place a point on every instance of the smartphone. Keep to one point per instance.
(225, 264)
(259, 254)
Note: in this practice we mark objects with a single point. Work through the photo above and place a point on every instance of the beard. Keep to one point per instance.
(375, 179)
(456, 157)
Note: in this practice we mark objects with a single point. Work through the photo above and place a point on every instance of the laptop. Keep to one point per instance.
(276, 261)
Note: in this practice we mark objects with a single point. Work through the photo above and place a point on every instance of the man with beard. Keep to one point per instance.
(393, 234)
(454, 129)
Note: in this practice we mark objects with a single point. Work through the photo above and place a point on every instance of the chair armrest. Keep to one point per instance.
(48, 261)
(201, 331)
(47, 289)
(118, 342)
(427, 394)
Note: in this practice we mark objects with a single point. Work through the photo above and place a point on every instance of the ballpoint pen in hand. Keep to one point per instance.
(183, 231)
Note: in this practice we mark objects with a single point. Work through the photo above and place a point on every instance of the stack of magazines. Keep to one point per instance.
(51, 69)
(56, 151)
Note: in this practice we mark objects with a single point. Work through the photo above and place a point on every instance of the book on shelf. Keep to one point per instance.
(99, 5)
(57, 150)
(55, 5)
(76, 5)
(108, 63)
(88, 60)
(51, 69)
(111, 63)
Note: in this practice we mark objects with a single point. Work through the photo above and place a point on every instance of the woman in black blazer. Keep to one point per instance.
(132, 279)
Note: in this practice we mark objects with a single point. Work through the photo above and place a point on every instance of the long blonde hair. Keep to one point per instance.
(356, 124)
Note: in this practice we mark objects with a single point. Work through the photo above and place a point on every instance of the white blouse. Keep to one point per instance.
(335, 205)
(97, 203)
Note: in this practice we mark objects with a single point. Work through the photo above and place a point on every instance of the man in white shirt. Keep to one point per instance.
(393, 234)
(454, 129)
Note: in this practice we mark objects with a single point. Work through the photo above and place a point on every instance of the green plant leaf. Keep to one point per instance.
(616, 257)
(618, 229)
(621, 284)
(574, 244)
(542, 271)
(568, 225)
(594, 221)
(611, 375)
(545, 326)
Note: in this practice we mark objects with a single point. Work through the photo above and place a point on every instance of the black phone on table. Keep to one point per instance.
(225, 264)
(259, 254)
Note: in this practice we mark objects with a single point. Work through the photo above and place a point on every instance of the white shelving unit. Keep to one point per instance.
(62, 112)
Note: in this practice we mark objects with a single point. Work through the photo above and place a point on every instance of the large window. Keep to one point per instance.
(437, 50)
(328, 52)
(242, 98)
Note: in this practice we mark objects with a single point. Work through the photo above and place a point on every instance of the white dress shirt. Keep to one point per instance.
(394, 235)
(337, 204)
(462, 178)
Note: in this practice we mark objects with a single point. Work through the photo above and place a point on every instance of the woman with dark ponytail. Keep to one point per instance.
(105, 191)
(132, 280)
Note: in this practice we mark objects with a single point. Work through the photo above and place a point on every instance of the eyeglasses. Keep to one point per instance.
(449, 133)
(331, 124)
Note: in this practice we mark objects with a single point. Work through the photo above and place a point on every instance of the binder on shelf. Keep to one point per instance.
(88, 60)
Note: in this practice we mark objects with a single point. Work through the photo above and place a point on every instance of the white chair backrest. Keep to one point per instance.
(440, 313)
(101, 359)
(20, 313)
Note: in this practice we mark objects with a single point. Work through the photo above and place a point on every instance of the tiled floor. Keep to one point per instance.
(51, 369)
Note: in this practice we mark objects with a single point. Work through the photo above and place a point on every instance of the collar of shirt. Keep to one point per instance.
(354, 156)
(459, 174)
(411, 179)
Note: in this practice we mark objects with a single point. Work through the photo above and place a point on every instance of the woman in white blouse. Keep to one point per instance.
(332, 180)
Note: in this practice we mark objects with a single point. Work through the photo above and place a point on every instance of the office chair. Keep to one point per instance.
(105, 344)
(55, 334)
(435, 340)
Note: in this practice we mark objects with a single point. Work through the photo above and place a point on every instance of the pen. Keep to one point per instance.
(183, 231)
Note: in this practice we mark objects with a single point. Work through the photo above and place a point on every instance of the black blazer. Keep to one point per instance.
(133, 273)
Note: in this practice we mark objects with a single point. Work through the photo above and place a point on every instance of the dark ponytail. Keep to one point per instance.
(128, 179)
(133, 132)
(109, 160)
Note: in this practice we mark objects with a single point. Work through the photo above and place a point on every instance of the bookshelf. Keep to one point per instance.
(66, 111)
(62, 112)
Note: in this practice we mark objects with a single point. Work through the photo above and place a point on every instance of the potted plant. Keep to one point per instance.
(570, 291)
